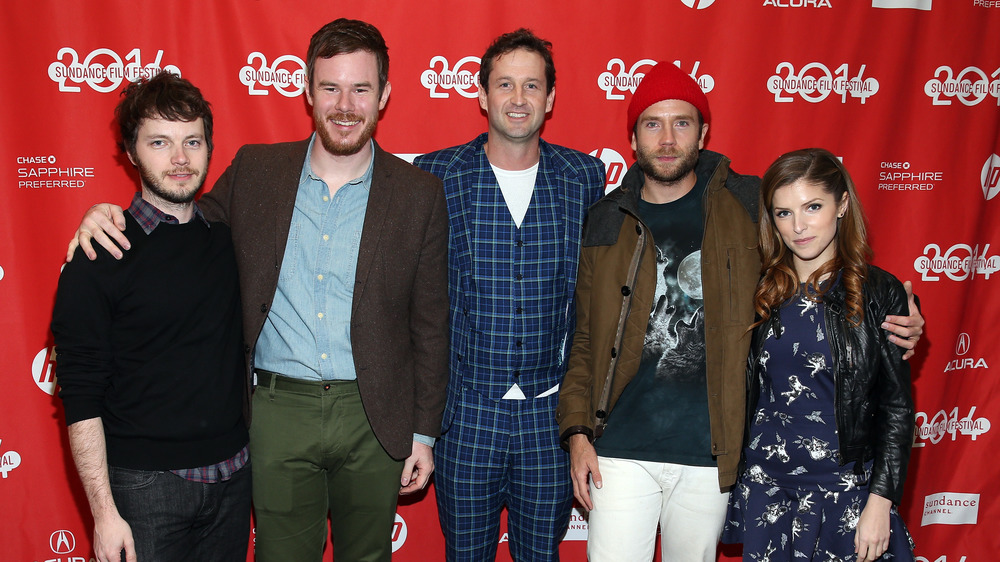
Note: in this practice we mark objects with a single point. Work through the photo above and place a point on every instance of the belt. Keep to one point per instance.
(270, 379)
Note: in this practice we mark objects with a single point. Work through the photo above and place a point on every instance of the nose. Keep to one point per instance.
(518, 97)
(179, 156)
(343, 102)
(667, 136)
(798, 224)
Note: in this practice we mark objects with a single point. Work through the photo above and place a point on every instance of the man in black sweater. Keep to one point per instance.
(149, 352)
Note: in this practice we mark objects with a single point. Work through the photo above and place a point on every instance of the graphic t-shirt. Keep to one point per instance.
(662, 416)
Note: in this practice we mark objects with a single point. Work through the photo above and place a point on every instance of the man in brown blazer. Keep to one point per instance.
(341, 250)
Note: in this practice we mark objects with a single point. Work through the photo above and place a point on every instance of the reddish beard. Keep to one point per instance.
(343, 146)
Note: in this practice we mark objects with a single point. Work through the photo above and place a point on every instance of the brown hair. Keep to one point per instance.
(343, 36)
(519, 39)
(779, 281)
(164, 96)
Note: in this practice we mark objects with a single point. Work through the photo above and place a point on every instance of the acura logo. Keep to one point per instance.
(62, 542)
(962, 347)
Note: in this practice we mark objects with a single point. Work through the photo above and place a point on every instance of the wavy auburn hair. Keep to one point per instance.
(779, 282)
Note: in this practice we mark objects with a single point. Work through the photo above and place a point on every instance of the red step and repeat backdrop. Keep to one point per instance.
(905, 91)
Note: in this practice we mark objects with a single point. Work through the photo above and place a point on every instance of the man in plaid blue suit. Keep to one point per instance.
(516, 206)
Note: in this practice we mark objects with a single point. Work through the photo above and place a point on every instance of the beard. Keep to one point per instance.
(687, 159)
(343, 146)
(156, 184)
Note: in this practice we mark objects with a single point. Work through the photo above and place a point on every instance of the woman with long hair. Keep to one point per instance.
(830, 413)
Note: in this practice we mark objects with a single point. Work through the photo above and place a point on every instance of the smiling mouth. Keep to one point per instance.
(514, 115)
(181, 174)
(803, 241)
(343, 123)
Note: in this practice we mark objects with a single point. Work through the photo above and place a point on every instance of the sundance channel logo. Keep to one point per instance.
(950, 508)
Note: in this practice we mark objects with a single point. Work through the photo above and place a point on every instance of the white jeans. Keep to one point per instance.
(637, 495)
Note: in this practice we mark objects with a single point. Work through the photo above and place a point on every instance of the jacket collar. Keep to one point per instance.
(712, 168)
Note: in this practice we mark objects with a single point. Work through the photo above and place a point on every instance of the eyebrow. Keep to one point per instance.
(324, 83)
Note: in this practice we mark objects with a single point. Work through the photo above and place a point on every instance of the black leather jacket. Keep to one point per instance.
(873, 402)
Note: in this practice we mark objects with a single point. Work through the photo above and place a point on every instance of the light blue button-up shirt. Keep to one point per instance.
(307, 334)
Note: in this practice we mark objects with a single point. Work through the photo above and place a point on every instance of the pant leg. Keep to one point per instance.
(362, 483)
(160, 508)
(693, 513)
(540, 491)
(223, 526)
(626, 512)
(471, 460)
(289, 483)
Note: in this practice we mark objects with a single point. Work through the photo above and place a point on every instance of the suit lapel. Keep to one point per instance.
(380, 201)
(282, 200)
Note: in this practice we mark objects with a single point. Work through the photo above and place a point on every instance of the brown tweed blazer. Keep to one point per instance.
(399, 319)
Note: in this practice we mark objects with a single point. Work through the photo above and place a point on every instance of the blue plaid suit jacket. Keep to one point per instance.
(578, 180)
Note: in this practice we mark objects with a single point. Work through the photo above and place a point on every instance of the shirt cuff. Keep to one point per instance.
(424, 439)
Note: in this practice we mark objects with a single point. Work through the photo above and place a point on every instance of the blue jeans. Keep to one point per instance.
(177, 519)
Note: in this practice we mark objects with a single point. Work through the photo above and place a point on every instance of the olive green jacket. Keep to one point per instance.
(730, 270)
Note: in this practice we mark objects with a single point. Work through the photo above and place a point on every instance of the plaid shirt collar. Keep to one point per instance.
(149, 216)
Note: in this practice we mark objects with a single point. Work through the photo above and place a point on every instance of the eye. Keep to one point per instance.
(651, 125)
(682, 123)
(194, 143)
(157, 143)
(815, 206)
(780, 214)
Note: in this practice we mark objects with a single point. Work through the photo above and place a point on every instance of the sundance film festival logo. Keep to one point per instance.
(933, 429)
(959, 263)
(950, 508)
(970, 86)
(942, 558)
(614, 167)
(286, 75)
(103, 70)
(622, 78)
(9, 460)
(990, 177)
(911, 4)
(814, 82)
(441, 77)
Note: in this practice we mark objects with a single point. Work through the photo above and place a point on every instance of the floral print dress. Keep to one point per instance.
(794, 501)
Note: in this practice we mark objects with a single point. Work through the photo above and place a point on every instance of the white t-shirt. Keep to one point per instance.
(517, 187)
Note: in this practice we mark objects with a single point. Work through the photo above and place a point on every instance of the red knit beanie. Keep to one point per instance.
(666, 82)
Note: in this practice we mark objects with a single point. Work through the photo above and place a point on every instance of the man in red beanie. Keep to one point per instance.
(664, 393)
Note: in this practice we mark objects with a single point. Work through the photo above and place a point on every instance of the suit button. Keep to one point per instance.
(519, 343)
(518, 277)
(519, 310)
(626, 291)
(602, 414)
(614, 353)
(638, 229)
(517, 374)
(263, 308)
(246, 349)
